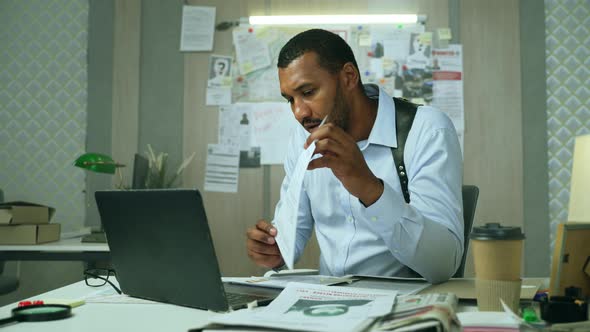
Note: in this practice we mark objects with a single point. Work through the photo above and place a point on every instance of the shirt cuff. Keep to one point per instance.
(395, 222)
(389, 206)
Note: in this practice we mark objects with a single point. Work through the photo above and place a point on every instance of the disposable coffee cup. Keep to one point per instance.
(497, 255)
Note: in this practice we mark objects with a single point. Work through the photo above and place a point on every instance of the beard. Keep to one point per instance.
(340, 114)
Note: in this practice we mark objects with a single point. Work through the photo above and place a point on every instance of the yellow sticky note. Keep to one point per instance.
(365, 39)
(426, 38)
(444, 33)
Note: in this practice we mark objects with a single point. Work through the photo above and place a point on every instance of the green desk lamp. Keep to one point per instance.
(99, 163)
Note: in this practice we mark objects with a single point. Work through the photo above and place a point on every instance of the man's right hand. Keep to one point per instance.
(262, 246)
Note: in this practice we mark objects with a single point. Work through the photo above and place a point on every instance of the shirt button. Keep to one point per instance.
(373, 218)
(350, 219)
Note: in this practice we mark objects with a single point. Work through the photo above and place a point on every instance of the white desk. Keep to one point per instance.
(63, 250)
(101, 317)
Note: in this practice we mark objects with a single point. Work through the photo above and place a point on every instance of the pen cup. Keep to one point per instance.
(497, 254)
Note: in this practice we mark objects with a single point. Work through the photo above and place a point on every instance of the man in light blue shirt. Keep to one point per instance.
(352, 193)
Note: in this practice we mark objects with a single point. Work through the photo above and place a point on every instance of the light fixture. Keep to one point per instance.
(97, 162)
(336, 19)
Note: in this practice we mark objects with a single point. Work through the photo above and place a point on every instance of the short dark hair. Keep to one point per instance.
(333, 52)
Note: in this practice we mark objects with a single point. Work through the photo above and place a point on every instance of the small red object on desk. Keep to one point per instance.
(29, 303)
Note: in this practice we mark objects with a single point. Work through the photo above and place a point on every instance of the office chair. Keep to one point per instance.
(8, 284)
(470, 195)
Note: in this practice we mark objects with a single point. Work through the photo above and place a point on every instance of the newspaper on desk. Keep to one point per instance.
(304, 307)
(428, 312)
(280, 281)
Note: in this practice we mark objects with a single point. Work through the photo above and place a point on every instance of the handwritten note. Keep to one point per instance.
(273, 125)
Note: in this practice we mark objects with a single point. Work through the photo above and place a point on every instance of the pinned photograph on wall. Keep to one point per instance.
(249, 153)
(417, 72)
(220, 71)
(220, 80)
(420, 48)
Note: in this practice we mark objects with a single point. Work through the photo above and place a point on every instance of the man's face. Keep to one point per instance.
(313, 93)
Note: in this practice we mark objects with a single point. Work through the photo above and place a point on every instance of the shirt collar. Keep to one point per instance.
(383, 131)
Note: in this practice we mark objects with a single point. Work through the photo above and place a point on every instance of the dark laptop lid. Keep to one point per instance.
(161, 246)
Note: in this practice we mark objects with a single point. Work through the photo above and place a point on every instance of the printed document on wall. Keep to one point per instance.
(229, 126)
(197, 28)
(221, 171)
(218, 96)
(273, 125)
(448, 85)
(251, 53)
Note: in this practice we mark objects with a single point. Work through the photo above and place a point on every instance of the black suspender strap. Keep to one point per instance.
(405, 112)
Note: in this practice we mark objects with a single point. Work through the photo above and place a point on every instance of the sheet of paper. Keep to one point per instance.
(241, 116)
(251, 53)
(111, 296)
(377, 67)
(281, 282)
(218, 96)
(222, 169)
(318, 308)
(273, 124)
(198, 23)
(264, 86)
(395, 40)
(229, 126)
(397, 49)
(404, 286)
(286, 218)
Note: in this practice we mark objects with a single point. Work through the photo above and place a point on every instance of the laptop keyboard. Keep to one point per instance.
(234, 299)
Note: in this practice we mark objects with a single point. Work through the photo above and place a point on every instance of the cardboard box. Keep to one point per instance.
(25, 213)
(29, 234)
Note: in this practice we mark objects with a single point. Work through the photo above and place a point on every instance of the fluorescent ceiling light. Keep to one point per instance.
(335, 19)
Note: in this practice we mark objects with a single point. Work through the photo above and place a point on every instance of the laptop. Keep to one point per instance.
(162, 249)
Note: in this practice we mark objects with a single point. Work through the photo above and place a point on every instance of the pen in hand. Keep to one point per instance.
(320, 125)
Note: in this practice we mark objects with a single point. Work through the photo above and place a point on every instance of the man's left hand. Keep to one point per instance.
(341, 154)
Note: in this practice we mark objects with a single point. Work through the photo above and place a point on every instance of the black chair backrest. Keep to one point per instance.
(470, 195)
